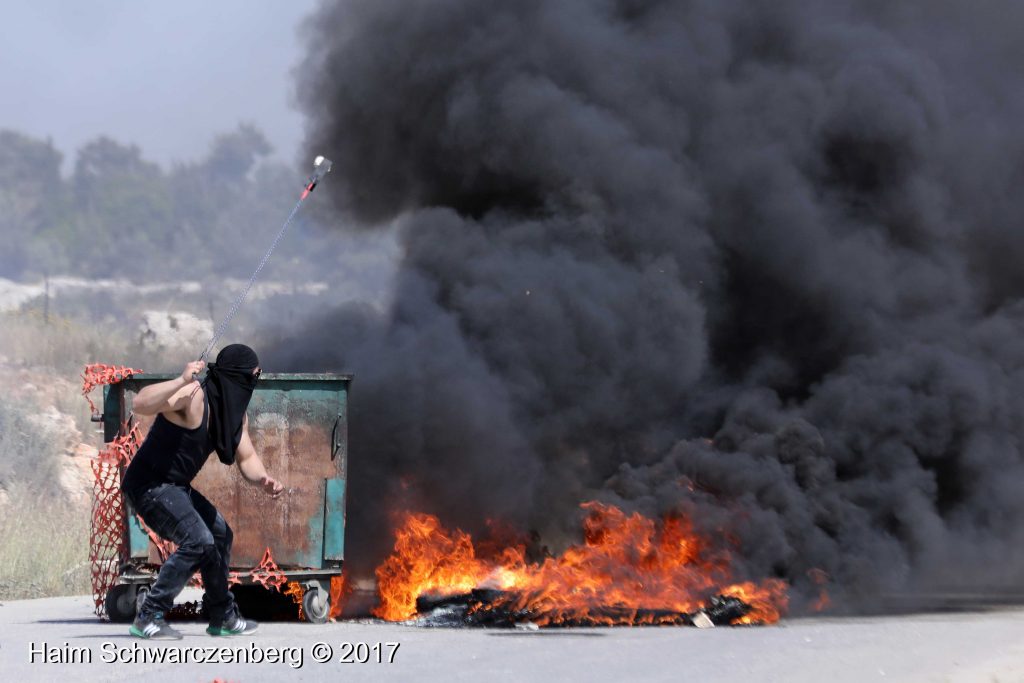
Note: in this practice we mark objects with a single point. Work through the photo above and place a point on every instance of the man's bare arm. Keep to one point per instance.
(250, 465)
(168, 396)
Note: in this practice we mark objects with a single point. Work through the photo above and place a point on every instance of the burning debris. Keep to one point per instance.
(491, 607)
(630, 570)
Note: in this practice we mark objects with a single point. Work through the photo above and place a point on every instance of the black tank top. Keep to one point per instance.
(169, 455)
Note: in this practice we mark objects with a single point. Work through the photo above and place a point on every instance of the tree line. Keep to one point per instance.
(117, 214)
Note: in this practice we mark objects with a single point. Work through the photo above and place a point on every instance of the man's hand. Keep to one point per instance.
(192, 370)
(271, 486)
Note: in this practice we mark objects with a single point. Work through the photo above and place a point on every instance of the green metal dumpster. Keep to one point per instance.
(299, 426)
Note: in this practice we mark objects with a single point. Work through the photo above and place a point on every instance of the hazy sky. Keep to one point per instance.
(167, 76)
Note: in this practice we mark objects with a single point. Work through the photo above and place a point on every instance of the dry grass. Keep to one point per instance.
(61, 347)
(44, 548)
(61, 344)
(44, 539)
(30, 451)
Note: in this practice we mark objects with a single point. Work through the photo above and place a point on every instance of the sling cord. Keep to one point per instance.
(241, 297)
(322, 167)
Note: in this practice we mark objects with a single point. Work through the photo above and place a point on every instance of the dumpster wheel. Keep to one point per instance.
(120, 602)
(316, 604)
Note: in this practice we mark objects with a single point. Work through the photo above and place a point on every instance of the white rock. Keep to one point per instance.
(174, 330)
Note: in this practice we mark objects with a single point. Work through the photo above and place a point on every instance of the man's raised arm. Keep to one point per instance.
(167, 396)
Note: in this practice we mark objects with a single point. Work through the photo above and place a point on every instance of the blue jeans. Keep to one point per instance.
(182, 515)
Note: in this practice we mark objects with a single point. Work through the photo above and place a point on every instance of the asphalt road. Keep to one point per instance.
(981, 646)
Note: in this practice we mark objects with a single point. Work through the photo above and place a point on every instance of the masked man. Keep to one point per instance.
(194, 419)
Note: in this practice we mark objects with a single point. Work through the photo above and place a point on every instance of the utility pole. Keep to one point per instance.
(46, 298)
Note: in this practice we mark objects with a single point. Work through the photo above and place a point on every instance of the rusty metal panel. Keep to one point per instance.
(299, 428)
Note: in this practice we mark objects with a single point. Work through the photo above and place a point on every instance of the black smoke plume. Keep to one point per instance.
(758, 261)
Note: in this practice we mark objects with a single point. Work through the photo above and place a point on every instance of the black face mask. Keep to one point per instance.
(229, 385)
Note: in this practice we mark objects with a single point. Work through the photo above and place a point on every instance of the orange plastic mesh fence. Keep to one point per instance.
(267, 573)
(98, 374)
(107, 538)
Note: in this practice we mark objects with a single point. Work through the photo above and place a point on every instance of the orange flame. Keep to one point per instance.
(626, 562)
(340, 590)
(820, 577)
(294, 591)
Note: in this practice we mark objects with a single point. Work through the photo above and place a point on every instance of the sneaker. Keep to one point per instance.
(152, 627)
(234, 624)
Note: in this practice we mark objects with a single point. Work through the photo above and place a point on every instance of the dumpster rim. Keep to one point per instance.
(286, 376)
